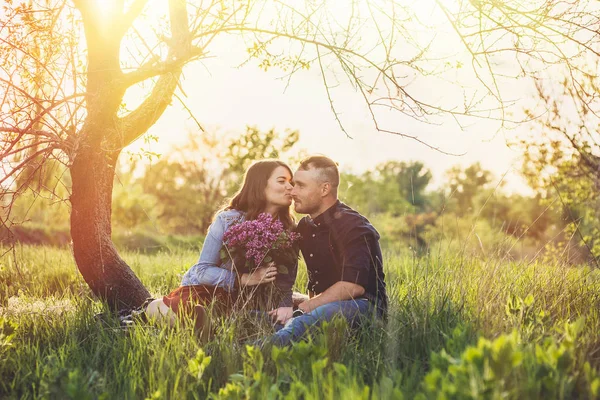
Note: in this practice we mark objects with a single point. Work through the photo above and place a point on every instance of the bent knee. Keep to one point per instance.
(158, 309)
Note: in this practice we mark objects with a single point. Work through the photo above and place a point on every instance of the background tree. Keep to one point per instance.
(132, 206)
(75, 113)
(413, 179)
(517, 215)
(204, 172)
(464, 184)
(371, 193)
(255, 145)
(194, 189)
(392, 187)
(562, 156)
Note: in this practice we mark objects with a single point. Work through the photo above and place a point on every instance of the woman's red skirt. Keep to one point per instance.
(183, 299)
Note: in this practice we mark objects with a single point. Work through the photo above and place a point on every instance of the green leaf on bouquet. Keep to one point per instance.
(223, 254)
(268, 259)
(282, 269)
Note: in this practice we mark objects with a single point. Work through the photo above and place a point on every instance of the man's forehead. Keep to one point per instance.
(305, 175)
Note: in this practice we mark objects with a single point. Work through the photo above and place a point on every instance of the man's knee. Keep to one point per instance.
(345, 308)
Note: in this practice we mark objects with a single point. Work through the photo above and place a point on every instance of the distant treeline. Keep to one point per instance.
(172, 200)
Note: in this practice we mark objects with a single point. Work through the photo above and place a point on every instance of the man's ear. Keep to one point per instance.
(325, 189)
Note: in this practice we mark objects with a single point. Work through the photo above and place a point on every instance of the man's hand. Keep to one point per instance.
(305, 306)
(281, 315)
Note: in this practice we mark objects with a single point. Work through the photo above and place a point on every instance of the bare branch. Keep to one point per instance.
(25, 162)
(189, 111)
(333, 109)
(34, 132)
(138, 121)
(154, 68)
(131, 14)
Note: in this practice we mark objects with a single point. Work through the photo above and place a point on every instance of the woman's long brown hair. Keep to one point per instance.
(251, 198)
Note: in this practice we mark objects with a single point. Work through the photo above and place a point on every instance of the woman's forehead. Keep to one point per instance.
(281, 172)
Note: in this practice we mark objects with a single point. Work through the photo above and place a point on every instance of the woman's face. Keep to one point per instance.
(279, 188)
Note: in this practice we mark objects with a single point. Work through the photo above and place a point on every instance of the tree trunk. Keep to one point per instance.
(109, 277)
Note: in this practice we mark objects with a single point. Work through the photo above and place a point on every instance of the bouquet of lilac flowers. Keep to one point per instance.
(263, 240)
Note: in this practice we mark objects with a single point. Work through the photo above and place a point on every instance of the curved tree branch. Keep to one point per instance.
(155, 68)
(138, 121)
(131, 14)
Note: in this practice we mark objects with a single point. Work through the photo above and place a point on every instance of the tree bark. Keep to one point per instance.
(109, 277)
(102, 138)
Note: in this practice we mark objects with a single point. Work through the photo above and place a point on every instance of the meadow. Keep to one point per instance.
(459, 327)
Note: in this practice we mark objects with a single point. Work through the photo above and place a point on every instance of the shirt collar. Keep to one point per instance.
(327, 215)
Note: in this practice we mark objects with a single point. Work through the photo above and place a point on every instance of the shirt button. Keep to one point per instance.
(316, 282)
(311, 254)
(313, 235)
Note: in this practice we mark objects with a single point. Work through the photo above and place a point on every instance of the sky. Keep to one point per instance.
(230, 99)
(226, 98)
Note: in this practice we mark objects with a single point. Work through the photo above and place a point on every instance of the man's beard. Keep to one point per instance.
(304, 208)
(298, 208)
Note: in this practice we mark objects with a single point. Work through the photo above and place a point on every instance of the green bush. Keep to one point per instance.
(507, 367)
(36, 234)
(302, 372)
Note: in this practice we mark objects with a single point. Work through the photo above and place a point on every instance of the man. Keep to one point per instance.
(342, 254)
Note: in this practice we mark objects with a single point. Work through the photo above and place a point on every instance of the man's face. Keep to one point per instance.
(307, 191)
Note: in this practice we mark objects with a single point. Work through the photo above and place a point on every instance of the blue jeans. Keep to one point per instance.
(351, 310)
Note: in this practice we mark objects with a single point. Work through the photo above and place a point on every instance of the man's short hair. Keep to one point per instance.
(327, 169)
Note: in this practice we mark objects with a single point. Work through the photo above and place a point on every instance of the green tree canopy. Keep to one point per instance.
(463, 184)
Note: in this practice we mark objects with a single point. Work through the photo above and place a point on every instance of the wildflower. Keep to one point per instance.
(264, 239)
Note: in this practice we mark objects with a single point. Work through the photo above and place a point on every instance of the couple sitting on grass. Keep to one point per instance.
(340, 247)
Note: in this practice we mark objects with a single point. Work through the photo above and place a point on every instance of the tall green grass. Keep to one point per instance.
(458, 327)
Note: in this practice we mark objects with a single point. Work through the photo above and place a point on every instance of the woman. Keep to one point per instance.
(266, 189)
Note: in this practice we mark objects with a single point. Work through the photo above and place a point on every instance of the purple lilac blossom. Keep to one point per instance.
(256, 238)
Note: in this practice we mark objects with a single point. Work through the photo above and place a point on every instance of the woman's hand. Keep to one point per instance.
(260, 275)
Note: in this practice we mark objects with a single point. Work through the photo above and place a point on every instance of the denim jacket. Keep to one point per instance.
(209, 270)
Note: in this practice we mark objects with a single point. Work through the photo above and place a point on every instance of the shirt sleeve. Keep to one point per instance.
(356, 260)
(208, 269)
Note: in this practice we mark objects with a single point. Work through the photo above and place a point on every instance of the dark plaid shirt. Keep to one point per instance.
(342, 245)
